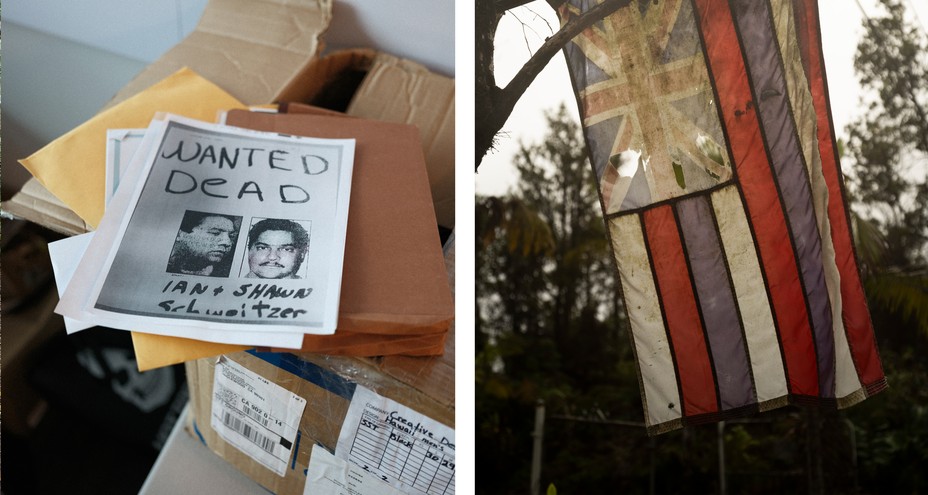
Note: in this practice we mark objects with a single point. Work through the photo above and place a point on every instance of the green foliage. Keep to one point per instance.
(904, 294)
(892, 427)
(510, 217)
(888, 146)
(892, 59)
(548, 315)
(550, 326)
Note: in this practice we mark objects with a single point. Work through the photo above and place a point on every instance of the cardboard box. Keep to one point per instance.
(328, 384)
(301, 78)
(378, 86)
(265, 68)
(259, 52)
(360, 82)
(395, 298)
(393, 281)
(423, 99)
(431, 376)
(36, 204)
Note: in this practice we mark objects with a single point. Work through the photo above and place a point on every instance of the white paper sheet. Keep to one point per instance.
(121, 145)
(329, 475)
(65, 255)
(406, 449)
(307, 181)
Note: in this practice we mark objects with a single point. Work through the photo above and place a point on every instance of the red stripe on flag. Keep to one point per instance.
(760, 193)
(687, 335)
(856, 316)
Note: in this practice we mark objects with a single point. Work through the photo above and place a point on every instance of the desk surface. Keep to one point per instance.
(186, 465)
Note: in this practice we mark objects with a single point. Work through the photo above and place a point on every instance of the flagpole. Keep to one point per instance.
(537, 445)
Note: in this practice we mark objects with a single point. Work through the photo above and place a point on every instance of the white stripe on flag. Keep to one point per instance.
(759, 330)
(846, 380)
(653, 350)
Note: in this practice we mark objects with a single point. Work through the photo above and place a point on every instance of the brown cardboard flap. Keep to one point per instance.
(154, 351)
(253, 49)
(394, 278)
(398, 90)
(277, 24)
(36, 204)
(332, 80)
(432, 376)
(361, 345)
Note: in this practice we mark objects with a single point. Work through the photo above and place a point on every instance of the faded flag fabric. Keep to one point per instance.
(710, 134)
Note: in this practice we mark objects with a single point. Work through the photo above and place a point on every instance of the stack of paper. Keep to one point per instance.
(308, 231)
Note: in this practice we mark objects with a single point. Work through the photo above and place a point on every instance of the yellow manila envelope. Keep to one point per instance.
(154, 351)
(73, 167)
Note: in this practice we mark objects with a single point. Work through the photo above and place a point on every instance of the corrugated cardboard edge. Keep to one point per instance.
(37, 204)
(421, 98)
(325, 71)
(222, 36)
(420, 372)
(394, 324)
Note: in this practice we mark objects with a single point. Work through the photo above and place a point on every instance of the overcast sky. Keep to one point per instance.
(840, 31)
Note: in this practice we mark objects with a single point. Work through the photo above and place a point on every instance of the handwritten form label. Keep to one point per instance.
(398, 445)
(329, 475)
(258, 417)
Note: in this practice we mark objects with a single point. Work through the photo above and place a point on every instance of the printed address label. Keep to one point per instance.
(256, 416)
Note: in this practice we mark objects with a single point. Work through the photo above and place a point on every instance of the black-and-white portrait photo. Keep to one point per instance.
(204, 244)
(276, 249)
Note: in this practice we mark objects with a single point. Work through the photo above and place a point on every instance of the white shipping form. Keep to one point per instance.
(329, 475)
(402, 447)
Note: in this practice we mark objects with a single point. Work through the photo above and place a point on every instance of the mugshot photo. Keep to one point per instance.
(204, 244)
(276, 249)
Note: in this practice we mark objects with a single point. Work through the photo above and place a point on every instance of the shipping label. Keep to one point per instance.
(258, 417)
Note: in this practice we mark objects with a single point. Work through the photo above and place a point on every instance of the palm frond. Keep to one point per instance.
(902, 293)
(523, 228)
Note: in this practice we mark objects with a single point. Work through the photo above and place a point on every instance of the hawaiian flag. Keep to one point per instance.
(709, 129)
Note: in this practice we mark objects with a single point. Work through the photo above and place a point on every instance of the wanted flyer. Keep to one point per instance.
(220, 228)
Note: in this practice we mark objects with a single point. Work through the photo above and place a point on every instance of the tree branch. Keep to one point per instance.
(552, 45)
(504, 100)
(504, 5)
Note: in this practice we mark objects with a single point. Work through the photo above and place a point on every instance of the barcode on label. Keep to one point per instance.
(251, 413)
(266, 444)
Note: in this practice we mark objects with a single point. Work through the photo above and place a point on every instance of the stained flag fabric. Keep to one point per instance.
(709, 130)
